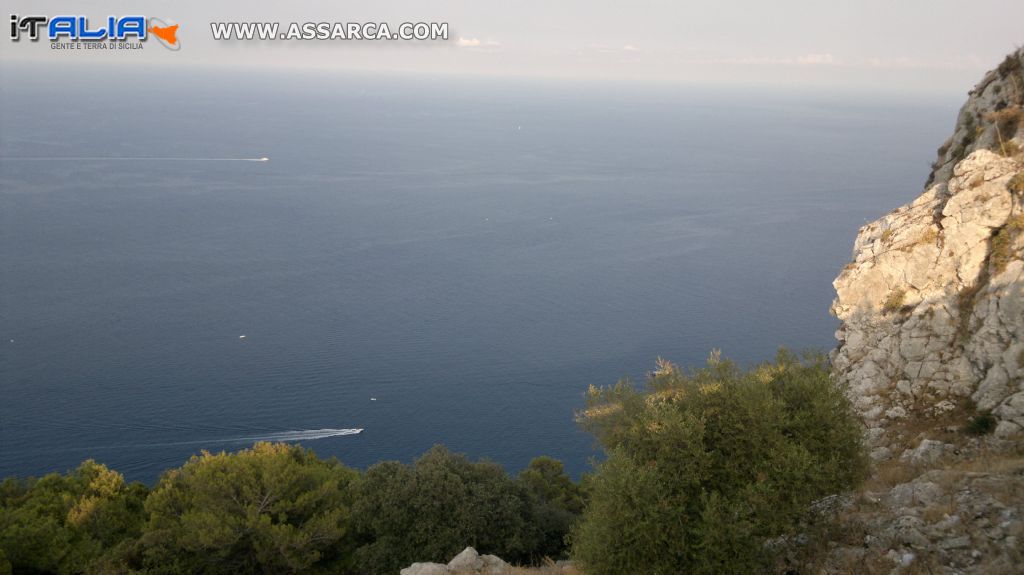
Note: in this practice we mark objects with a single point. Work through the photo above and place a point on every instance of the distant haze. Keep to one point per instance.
(868, 45)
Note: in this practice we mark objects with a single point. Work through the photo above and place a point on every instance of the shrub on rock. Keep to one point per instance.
(705, 467)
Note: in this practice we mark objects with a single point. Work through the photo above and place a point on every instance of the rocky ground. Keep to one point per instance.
(948, 511)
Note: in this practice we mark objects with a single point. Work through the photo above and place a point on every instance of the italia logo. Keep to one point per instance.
(68, 28)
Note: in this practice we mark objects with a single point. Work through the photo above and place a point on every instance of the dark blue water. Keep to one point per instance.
(472, 254)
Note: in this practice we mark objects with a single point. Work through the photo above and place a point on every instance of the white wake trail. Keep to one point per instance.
(285, 436)
(124, 159)
(303, 435)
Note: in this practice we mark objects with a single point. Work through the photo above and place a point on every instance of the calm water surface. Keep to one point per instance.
(431, 260)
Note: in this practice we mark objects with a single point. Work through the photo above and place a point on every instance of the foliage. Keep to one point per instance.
(894, 301)
(981, 424)
(432, 509)
(67, 523)
(1001, 251)
(702, 469)
(557, 504)
(705, 467)
(1009, 65)
(275, 508)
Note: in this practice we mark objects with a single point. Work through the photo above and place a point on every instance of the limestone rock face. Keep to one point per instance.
(932, 305)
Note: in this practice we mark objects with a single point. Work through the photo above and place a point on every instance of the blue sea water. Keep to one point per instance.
(433, 260)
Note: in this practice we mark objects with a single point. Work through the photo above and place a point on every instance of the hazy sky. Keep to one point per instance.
(870, 45)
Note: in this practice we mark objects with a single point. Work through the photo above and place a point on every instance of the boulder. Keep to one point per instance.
(425, 569)
(468, 561)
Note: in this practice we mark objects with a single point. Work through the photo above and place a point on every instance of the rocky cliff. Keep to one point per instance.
(932, 305)
(931, 347)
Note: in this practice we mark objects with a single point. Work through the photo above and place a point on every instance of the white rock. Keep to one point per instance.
(469, 560)
(494, 565)
(928, 451)
(425, 569)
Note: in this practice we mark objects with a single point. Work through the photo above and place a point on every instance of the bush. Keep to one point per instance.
(557, 504)
(1001, 247)
(275, 508)
(1009, 65)
(67, 523)
(1006, 121)
(431, 510)
(705, 467)
(894, 301)
(981, 424)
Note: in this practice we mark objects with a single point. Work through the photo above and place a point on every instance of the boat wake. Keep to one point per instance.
(280, 436)
(303, 435)
(125, 159)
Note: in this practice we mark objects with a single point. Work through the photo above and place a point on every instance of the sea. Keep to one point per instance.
(429, 259)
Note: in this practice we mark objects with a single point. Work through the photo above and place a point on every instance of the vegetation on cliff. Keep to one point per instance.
(706, 467)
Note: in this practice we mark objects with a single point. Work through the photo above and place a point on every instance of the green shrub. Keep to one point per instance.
(67, 523)
(981, 424)
(434, 508)
(557, 504)
(275, 508)
(705, 467)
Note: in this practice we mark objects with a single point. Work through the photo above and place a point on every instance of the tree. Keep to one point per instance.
(275, 508)
(557, 503)
(68, 523)
(705, 467)
(432, 509)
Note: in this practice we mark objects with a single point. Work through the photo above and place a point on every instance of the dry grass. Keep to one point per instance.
(889, 474)
(1001, 247)
(548, 568)
(1009, 148)
(1006, 120)
(886, 234)
(1016, 183)
(965, 305)
(894, 301)
(987, 461)
(853, 524)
